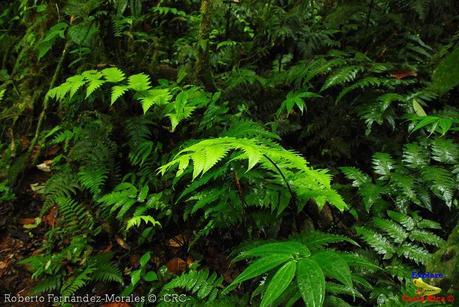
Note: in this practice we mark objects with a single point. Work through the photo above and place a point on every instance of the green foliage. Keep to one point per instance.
(201, 284)
(124, 198)
(169, 132)
(423, 164)
(306, 182)
(292, 265)
(400, 234)
(446, 74)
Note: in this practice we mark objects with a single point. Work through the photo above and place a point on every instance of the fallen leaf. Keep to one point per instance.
(52, 151)
(3, 265)
(45, 166)
(176, 265)
(25, 142)
(401, 74)
(27, 220)
(177, 241)
(122, 243)
(50, 218)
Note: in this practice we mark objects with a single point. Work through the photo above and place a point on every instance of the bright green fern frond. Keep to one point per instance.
(136, 221)
(113, 74)
(139, 82)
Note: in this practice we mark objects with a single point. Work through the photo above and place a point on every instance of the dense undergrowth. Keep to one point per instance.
(265, 153)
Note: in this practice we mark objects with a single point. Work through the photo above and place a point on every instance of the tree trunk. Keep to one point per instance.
(202, 73)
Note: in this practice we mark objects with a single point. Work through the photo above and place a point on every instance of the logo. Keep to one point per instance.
(424, 288)
(426, 293)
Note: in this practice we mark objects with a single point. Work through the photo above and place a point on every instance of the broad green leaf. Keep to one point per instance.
(418, 109)
(446, 75)
(259, 267)
(284, 248)
(135, 277)
(144, 259)
(280, 281)
(150, 276)
(334, 266)
(311, 282)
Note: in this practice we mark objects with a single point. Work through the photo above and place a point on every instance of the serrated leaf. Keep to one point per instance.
(113, 74)
(139, 82)
(117, 92)
(154, 97)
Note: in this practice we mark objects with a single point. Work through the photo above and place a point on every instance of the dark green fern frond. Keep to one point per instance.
(48, 285)
(426, 237)
(415, 156)
(394, 230)
(200, 283)
(105, 270)
(379, 243)
(77, 282)
(413, 252)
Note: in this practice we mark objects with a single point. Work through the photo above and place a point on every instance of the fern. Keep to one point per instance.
(62, 185)
(383, 164)
(201, 283)
(73, 284)
(445, 151)
(124, 199)
(105, 270)
(415, 156)
(307, 183)
(74, 216)
(139, 82)
(395, 231)
(379, 243)
(343, 75)
(358, 178)
(414, 253)
(296, 99)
